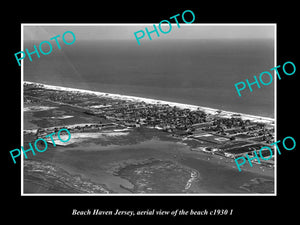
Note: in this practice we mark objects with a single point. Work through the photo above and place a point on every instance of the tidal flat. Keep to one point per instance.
(151, 162)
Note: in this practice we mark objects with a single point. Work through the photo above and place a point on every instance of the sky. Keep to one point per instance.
(44, 32)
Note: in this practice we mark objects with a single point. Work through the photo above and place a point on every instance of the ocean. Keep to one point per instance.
(199, 72)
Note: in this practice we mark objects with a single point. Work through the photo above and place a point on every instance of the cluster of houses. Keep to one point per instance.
(181, 121)
(160, 116)
(187, 123)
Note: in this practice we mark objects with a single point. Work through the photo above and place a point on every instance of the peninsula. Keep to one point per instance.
(127, 144)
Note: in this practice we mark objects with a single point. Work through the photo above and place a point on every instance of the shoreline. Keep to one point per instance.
(212, 111)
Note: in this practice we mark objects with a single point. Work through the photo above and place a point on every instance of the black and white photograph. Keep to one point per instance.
(148, 117)
(144, 113)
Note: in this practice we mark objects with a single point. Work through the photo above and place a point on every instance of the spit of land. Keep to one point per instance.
(126, 144)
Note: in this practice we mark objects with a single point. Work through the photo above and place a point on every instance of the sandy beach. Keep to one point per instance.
(207, 110)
